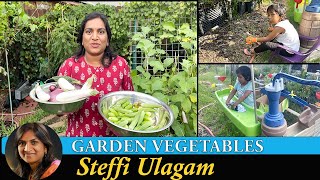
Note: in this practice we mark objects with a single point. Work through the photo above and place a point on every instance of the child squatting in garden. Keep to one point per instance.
(281, 32)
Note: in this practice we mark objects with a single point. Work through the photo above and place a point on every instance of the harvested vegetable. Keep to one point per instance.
(65, 85)
(54, 94)
(138, 116)
(43, 96)
(52, 88)
(88, 83)
(75, 94)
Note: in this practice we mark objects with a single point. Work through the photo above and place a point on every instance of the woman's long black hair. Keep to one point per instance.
(23, 169)
(108, 55)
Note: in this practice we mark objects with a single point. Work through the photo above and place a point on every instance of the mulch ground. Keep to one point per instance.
(25, 107)
(226, 43)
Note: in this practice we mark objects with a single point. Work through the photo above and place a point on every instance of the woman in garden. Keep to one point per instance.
(34, 151)
(243, 88)
(281, 32)
(111, 73)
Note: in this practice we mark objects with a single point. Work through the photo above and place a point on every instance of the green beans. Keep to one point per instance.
(135, 121)
(138, 116)
(143, 125)
(147, 105)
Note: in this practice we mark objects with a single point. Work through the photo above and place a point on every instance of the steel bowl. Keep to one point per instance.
(58, 108)
(109, 99)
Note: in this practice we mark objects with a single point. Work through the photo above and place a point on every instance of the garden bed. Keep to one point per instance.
(26, 107)
(225, 44)
(3, 96)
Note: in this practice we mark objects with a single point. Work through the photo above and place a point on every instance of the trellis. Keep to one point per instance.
(172, 49)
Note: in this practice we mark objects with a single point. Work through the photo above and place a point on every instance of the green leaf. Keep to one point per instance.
(152, 38)
(162, 13)
(177, 98)
(169, 25)
(155, 10)
(151, 52)
(156, 84)
(140, 69)
(162, 97)
(157, 65)
(145, 30)
(166, 35)
(160, 51)
(33, 27)
(285, 104)
(148, 44)
(193, 97)
(185, 29)
(24, 18)
(195, 124)
(186, 64)
(175, 110)
(185, 26)
(184, 86)
(134, 72)
(192, 83)
(178, 128)
(167, 62)
(147, 75)
(144, 85)
(188, 131)
(186, 45)
(194, 58)
(186, 105)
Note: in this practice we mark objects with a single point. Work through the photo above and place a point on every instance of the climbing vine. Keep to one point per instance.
(175, 88)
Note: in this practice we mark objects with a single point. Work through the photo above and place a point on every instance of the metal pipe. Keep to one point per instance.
(134, 49)
(254, 95)
(10, 100)
(20, 114)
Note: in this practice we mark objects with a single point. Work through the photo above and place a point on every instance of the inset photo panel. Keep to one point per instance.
(257, 100)
(255, 31)
(100, 69)
(33, 151)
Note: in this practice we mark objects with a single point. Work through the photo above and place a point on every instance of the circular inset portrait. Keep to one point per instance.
(33, 151)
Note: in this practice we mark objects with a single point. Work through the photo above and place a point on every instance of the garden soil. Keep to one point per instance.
(226, 43)
(26, 107)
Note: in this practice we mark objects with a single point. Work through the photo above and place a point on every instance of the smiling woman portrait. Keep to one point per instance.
(110, 73)
(32, 152)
